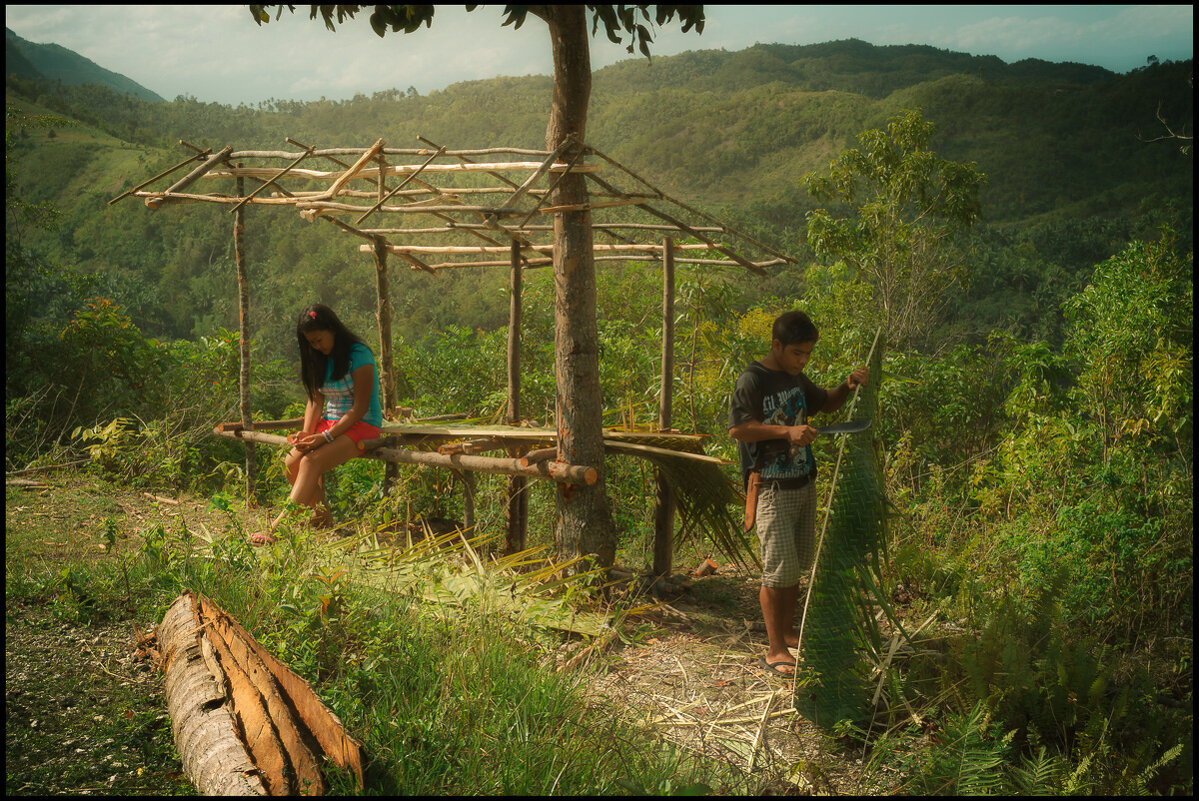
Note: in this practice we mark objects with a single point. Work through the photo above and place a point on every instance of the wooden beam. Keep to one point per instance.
(404, 169)
(546, 248)
(162, 174)
(203, 169)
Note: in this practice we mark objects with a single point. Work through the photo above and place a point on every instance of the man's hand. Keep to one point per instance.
(800, 436)
(858, 377)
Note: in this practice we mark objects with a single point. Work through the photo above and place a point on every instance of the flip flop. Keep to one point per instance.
(773, 667)
(262, 539)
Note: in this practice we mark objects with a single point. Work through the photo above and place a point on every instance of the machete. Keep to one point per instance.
(850, 427)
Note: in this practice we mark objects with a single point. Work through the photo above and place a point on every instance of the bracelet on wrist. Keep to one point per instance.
(328, 436)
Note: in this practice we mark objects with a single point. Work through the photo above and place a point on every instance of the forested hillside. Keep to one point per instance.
(1034, 412)
(1063, 146)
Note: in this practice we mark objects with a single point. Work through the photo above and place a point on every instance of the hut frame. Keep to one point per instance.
(471, 195)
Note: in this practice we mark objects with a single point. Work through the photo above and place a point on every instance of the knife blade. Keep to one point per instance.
(849, 427)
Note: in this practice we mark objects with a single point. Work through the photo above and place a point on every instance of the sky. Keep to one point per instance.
(217, 53)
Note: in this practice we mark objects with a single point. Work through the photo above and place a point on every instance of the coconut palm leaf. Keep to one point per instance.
(839, 612)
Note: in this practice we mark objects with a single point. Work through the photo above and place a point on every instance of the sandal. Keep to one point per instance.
(773, 667)
(262, 539)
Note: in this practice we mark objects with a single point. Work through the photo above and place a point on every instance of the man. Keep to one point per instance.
(768, 417)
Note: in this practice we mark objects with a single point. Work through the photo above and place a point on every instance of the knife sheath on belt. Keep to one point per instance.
(751, 499)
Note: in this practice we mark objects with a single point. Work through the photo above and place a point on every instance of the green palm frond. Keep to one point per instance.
(839, 620)
(708, 505)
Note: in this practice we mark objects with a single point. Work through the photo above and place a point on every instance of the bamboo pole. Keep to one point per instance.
(163, 174)
(243, 327)
(388, 151)
(404, 169)
(419, 207)
(187, 180)
(518, 499)
(545, 248)
(557, 471)
(382, 175)
(664, 503)
(488, 221)
(682, 226)
(539, 455)
(683, 205)
(532, 179)
(452, 226)
(241, 192)
(357, 169)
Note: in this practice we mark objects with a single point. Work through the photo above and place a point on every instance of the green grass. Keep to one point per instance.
(448, 699)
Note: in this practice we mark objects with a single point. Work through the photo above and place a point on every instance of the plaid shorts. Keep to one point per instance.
(786, 523)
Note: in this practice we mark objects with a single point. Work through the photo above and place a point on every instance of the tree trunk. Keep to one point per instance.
(664, 504)
(243, 327)
(585, 524)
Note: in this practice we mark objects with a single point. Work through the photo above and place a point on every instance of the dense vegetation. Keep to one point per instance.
(1037, 431)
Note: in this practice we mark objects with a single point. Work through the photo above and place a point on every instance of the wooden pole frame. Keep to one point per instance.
(664, 502)
(518, 497)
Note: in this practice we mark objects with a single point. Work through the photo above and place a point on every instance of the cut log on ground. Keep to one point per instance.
(244, 723)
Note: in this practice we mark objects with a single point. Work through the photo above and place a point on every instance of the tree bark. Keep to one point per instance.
(243, 327)
(518, 498)
(585, 524)
(664, 504)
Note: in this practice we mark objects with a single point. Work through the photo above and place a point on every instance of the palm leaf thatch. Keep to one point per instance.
(839, 614)
(708, 505)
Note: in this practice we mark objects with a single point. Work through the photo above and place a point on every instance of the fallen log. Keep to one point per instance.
(244, 723)
(214, 757)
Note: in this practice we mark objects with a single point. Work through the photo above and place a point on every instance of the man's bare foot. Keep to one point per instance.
(780, 667)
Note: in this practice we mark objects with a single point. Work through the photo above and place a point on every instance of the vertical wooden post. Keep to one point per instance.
(386, 372)
(664, 503)
(518, 498)
(243, 328)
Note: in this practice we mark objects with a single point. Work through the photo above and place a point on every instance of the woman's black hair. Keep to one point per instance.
(313, 363)
(794, 327)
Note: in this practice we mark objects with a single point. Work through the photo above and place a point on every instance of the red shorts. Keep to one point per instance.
(358, 432)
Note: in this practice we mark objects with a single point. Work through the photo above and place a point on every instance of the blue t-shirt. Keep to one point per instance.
(339, 395)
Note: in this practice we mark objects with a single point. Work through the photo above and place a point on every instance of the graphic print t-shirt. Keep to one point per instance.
(773, 397)
(339, 395)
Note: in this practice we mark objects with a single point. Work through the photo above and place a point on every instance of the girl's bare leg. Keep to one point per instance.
(305, 471)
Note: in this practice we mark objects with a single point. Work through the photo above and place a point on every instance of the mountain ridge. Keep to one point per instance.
(53, 62)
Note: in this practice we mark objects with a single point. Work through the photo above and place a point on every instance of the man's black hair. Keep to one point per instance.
(794, 327)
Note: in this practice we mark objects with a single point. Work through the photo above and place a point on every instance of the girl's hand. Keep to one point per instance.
(307, 442)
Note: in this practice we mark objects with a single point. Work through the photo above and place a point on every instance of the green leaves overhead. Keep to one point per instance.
(401, 17)
(617, 20)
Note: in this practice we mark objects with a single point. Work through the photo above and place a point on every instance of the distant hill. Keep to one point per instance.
(1072, 170)
(55, 63)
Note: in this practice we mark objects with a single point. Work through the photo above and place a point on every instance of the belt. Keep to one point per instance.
(798, 482)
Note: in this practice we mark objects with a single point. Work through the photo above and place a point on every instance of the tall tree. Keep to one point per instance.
(908, 203)
(585, 524)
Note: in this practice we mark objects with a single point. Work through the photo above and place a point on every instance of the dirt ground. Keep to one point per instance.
(693, 674)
